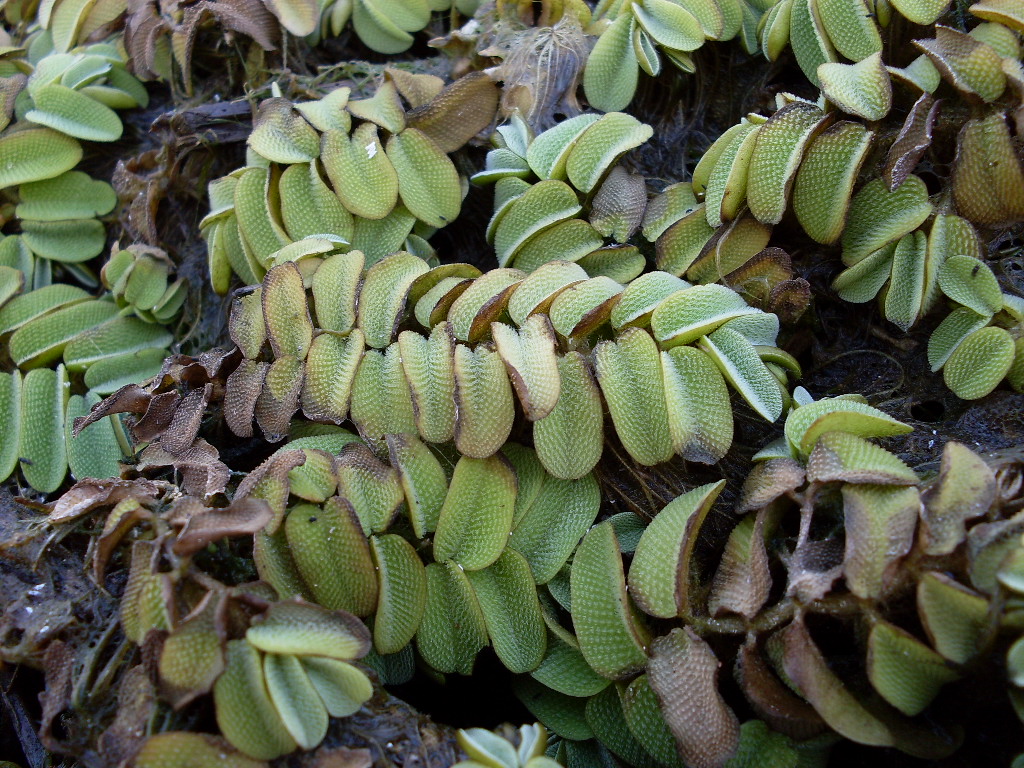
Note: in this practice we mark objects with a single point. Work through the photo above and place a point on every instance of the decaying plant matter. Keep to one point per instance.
(406, 450)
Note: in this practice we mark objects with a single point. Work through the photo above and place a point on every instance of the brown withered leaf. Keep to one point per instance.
(249, 17)
(202, 472)
(912, 142)
(131, 398)
(89, 493)
(209, 124)
(242, 517)
(181, 511)
(541, 70)
(683, 672)
(766, 281)
(188, 416)
(150, 22)
(58, 666)
(619, 205)
(773, 702)
(125, 515)
(279, 397)
(183, 39)
(790, 299)
(141, 183)
(192, 656)
(212, 366)
(143, 28)
(269, 481)
(769, 480)
(243, 388)
(459, 112)
(246, 601)
(159, 415)
(757, 277)
(742, 581)
(813, 568)
(136, 706)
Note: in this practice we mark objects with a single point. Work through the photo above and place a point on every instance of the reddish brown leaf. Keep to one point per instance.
(790, 299)
(913, 141)
(243, 388)
(136, 706)
(211, 366)
(188, 417)
(767, 481)
(813, 568)
(279, 397)
(773, 702)
(90, 493)
(58, 666)
(683, 672)
(182, 510)
(243, 517)
(131, 398)
(158, 417)
(202, 472)
(742, 581)
(758, 276)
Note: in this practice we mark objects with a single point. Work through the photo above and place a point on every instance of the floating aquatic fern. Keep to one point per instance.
(824, 469)
(662, 375)
(59, 97)
(452, 537)
(387, 190)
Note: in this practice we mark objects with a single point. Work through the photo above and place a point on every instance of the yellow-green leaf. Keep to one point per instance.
(403, 593)
(610, 636)
(476, 518)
